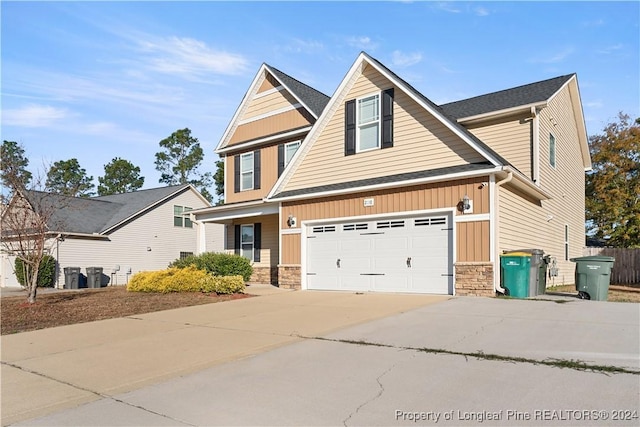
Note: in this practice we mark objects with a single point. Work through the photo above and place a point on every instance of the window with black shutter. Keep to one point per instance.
(369, 122)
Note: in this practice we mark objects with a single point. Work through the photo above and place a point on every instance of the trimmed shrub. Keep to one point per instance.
(46, 272)
(218, 264)
(188, 279)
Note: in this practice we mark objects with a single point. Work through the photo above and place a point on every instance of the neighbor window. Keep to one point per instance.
(179, 220)
(289, 150)
(246, 171)
(552, 150)
(246, 241)
(368, 112)
(184, 255)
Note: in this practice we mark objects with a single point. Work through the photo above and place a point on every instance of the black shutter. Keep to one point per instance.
(350, 127)
(280, 159)
(256, 170)
(257, 241)
(236, 241)
(387, 118)
(236, 173)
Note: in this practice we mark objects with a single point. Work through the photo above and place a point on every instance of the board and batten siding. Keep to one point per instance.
(268, 239)
(511, 138)
(541, 225)
(443, 195)
(149, 242)
(421, 142)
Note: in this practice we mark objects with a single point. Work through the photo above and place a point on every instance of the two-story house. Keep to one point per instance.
(388, 191)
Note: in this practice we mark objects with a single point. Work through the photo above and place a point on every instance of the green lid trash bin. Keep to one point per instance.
(593, 274)
(514, 273)
(94, 277)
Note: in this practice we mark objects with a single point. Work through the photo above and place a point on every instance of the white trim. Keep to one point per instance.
(222, 215)
(244, 145)
(280, 230)
(270, 114)
(492, 221)
(378, 121)
(290, 231)
(501, 113)
(253, 171)
(472, 217)
(418, 181)
(268, 92)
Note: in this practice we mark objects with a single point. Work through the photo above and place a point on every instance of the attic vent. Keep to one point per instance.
(352, 227)
(324, 229)
(390, 224)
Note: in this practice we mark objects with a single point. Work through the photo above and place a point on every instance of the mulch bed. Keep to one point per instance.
(87, 305)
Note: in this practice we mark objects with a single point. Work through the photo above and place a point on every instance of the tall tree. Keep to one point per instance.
(179, 162)
(120, 176)
(13, 166)
(68, 178)
(218, 178)
(613, 187)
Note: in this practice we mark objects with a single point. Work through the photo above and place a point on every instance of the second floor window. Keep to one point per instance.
(289, 150)
(552, 150)
(368, 123)
(246, 171)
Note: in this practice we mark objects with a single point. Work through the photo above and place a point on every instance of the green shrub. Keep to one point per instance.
(187, 279)
(218, 264)
(46, 272)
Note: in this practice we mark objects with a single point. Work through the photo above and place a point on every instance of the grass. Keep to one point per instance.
(616, 293)
(87, 305)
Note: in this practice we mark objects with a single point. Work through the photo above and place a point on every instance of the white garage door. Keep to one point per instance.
(387, 255)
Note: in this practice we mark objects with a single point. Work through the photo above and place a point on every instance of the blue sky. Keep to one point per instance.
(101, 80)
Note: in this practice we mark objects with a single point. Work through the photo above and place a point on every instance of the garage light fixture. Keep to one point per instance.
(465, 204)
(292, 221)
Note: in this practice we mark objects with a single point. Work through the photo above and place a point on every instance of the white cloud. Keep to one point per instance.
(189, 57)
(596, 23)
(594, 104)
(362, 42)
(304, 46)
(33, 116)
(611, 49)
(400, 59)
(553, 58)
(481, 11)
(447, 7)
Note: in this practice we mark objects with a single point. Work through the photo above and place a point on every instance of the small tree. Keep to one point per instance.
(66, 177)
(120, 176)
(613, 187)
(13, 165)
(179, 162)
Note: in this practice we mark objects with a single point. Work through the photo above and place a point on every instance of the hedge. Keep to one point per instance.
(218, 264)
(188, 279)
(46, 272)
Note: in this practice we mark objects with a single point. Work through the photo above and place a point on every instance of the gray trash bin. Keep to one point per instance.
(72, 277)
(94, 277)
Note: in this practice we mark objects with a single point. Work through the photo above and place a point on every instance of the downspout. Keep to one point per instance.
(496, 283)
(535, 146)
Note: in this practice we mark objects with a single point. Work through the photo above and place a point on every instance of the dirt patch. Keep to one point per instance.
(87, 305)
(617, 293)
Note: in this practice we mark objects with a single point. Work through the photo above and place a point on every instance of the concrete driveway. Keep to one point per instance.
(459, 361)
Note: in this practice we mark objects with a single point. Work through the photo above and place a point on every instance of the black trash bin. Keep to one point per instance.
(72, 277)
(94, 277)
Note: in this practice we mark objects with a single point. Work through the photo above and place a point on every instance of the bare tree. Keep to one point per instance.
(28, 224)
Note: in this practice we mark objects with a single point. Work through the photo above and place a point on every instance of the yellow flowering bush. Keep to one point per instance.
(189, 279)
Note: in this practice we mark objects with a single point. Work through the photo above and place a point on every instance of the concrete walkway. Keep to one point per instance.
(52, 369)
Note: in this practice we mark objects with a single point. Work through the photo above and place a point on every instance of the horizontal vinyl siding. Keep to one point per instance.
(214, 237)
(265, 104)
(511, 139)
(127, 246)
(269, 238)
(421, 142)
(473, 237)
(272, 125)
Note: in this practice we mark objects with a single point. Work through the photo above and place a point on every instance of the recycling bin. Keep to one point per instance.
(94, 277)
(72, 277)
(592, 276)
(537, 281)
(514, 273)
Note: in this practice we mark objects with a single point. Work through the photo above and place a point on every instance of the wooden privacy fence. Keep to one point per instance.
(626, 268)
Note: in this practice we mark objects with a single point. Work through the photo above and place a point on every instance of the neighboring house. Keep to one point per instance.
(391, 192)
(122, 233)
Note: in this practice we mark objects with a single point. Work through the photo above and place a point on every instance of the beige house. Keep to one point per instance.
(380, 189)
(122, 233)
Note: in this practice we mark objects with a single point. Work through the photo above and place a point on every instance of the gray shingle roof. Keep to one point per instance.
(509, 98)
(96, 215)
(471, 167)
(314, 99)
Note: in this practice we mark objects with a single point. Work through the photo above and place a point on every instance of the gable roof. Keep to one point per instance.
(485, 151)
(529, 94)
(100, 215)
(311, 99)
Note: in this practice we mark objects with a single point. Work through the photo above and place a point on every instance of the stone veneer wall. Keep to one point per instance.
(264, 275)
(474, 278)
(289, 277)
